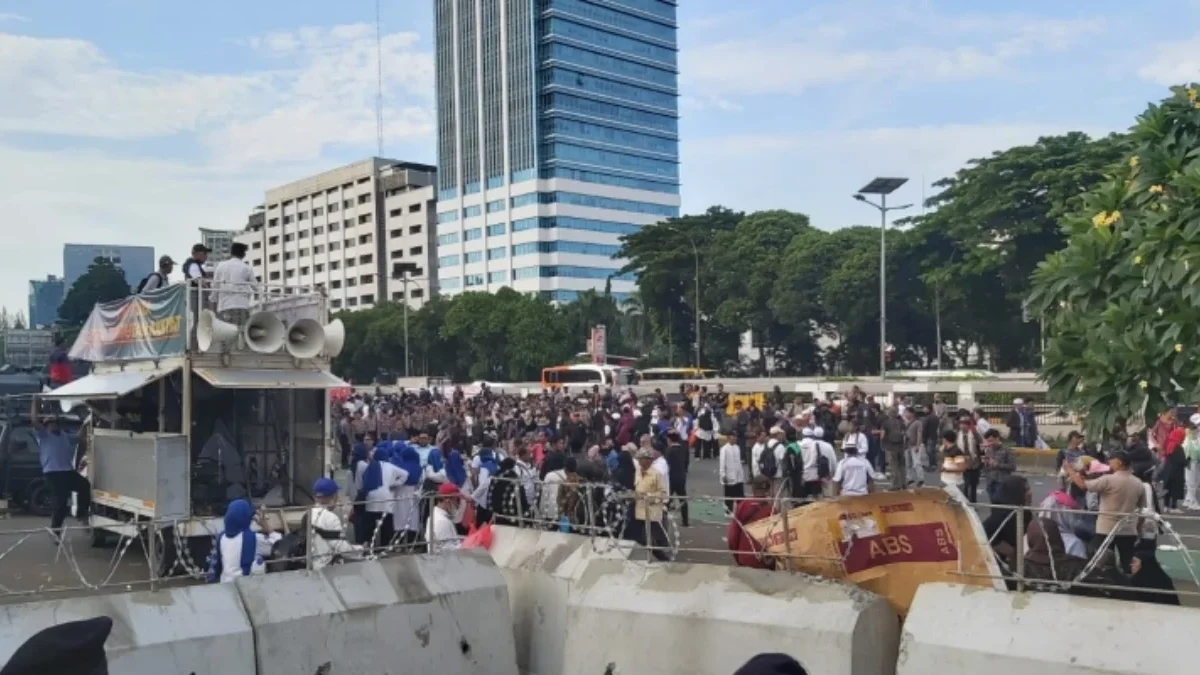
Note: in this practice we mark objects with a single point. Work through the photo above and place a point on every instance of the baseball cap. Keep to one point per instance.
(201, 248)
(325, 487)
(449, 490)
(165, 260)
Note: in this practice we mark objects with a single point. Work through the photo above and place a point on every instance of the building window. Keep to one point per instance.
(399, 232)
(256, 245)
(416, 250)
(417, 293)
(365, 239)
(302, 234)
(525, 200)
(496, 229)
(333, 207)
(319, 248)
(347, 204)
(415, 229)
(450, 283)
(320, 229)
(274, 222)
(398, 253)
(288, 255)
(335, 245)
(287, 220)
(273, 240)
(497, 277)
(448, 261)
(366, 279)
(303, 270)
(319, 267)
(303, 252)
(288, 237)
(368, 299)
(395, 213)
(444, 239)
(472, 234)
(303, 215)
(274, 276)
(364, 218)
(496, 253)
(274, 257)
(474, 256)
(336, 283)
(493, 207)
(335, 264)
(472, 211)
(447, 216)
(257, 262)
(318, 210)
(351, 302)
(414, 208)
(366, 259)
(474, 280)
(335, 303)
(363, 199)
(350, 262)
(289, 274)
(351, 282)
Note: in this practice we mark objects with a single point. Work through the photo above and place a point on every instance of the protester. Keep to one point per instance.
(442, 535)
(854, 474)
(971, 444)
(238, 550)
(678, 457)
(731, 474)
(329, 543)
(650, 496)
(998, 462)
(56, 453)
(954, 463)
(1022, 425)
(1001, 525)
(233, 283)
(914, 460)
(893, 440)
(1121, 499)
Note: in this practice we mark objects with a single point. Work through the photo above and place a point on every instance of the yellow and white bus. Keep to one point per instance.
(587, 374)
(654, 374)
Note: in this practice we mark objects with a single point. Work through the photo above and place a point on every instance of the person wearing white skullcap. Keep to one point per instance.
(1191, 451)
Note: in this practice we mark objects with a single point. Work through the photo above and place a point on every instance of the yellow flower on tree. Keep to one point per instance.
(1133, 161)
(1191, 93)
(1106, 218)
(1156, 189)
(1137, 260)
(1178, 348)
(1143, 384)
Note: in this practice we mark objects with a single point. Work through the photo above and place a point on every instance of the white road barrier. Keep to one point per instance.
(540, 568)
(960, 629)
(677, 619)
(445, 614)
(198, 629)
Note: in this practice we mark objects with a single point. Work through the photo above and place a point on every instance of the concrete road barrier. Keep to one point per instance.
(445, 614)
(633, 617)
(200, 630)
(540, 568)
(961, 629)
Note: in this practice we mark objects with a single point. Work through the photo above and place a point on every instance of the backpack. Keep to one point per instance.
(767, 465)
(823, 471)
(142, 284)
(793, 461)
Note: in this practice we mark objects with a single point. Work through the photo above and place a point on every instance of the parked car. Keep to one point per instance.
(21, 479)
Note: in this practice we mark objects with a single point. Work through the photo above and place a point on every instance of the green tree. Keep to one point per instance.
(102, 282)
(1120, 302)
(990, 226)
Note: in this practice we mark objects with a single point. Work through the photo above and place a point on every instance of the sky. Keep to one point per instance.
(140, 121)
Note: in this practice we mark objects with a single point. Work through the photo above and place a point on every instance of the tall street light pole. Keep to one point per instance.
(696, 253)
(401, 271)
(882, 187)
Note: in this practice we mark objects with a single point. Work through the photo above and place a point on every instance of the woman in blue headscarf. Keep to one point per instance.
(238, 551)
(373, 489)
(406, 508)
(456, 469)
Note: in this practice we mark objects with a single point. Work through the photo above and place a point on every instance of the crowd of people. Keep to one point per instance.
(427, 466)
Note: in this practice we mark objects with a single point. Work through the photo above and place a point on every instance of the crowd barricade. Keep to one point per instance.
(681, 619)
(966, 629)
(197, 629)
(541, 569)
(446, 614)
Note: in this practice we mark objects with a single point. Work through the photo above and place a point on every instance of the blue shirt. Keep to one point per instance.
(56, 451)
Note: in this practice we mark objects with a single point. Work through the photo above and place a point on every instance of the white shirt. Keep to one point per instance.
(660, 465)
(730, 470)
(155, 281)
(193, 270)
(826, 451)
(380, 500)
(860, 442)
(982, 426)
(852, 472)
(756, 451)
(324, 550)
(442, 536)
(808, 454)
(233, 280)
(549, 503)
(231, 555)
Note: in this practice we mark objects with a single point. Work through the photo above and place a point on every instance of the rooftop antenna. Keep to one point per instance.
(378, 81)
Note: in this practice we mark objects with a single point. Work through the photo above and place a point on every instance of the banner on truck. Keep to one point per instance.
(886, 542)
(146, 326)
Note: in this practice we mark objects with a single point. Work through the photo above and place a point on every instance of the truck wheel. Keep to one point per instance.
(41, 498)
(164, 544)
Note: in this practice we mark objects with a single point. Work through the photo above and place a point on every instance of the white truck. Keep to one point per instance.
(190, 411)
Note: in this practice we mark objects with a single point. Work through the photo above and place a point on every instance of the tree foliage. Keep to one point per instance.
(1122, 299)
(102, 282)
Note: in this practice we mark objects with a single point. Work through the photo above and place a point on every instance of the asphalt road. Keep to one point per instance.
(32, 565)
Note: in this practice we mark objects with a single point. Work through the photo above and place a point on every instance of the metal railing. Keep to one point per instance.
(604, 514)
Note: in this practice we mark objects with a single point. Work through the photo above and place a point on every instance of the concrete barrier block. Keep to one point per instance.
(707, 619)
(967, 629)
(539, 568)
(197, 630)
(445, 614)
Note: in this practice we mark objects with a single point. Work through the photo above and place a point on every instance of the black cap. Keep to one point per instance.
(772, 664)
(201, 248)
(75, 647)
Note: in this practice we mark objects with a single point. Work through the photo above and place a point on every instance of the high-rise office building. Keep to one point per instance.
(218, 243)
(135, 261)
(45, 296)
(557, 133)
(343, 229)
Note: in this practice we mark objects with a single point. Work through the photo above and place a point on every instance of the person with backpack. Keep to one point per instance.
(893, 446)
(810, 453)
(770, 458)
(792, 467)
(826, 460)
(158, 278)
(706, 436)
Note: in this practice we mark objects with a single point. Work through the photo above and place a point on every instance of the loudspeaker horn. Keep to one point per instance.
(264, 333)
(305, 339)
(335, 337)
(213, 334)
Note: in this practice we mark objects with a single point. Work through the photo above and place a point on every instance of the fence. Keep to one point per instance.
(596, 510)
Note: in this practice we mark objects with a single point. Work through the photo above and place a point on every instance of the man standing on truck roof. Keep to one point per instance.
(233, 281)
(58, 466)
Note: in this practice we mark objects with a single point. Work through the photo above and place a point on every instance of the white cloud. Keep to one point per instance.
(1174, 63)
(840, 44)
(9, 16)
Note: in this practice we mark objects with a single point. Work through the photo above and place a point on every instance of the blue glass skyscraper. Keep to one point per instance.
(558, 132)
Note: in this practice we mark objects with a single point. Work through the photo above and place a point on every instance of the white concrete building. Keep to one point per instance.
(329, 230)
(410, 224)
